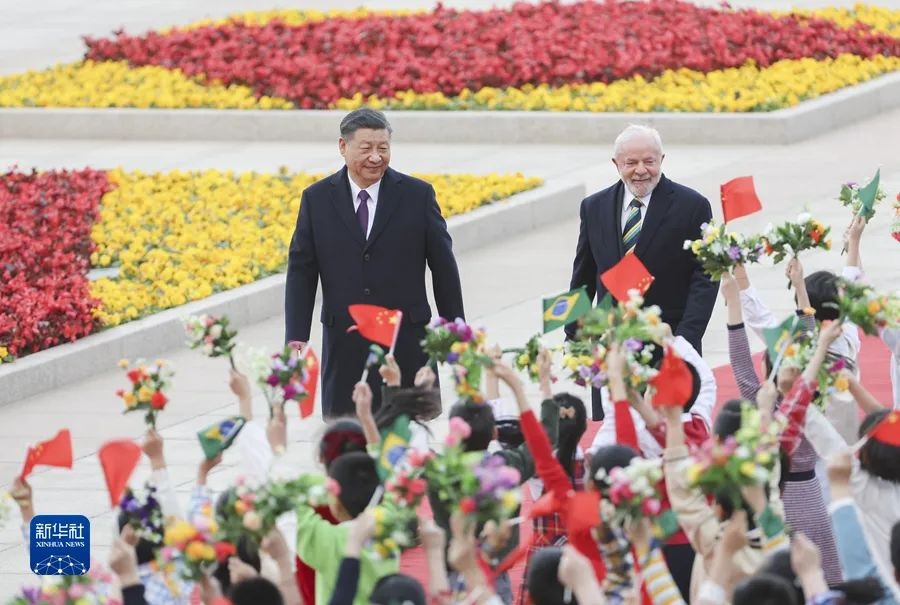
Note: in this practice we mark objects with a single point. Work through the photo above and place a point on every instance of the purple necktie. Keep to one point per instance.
(362, 213)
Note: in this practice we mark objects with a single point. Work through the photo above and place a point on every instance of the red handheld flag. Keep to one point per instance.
(583, 512)
(674, 383)
(629, 273)
(53, 452)
(739, 198)
(375, 323)
(118, 459)
(311, 384)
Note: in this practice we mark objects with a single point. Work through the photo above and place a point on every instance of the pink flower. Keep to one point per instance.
(416, 457)
(452, 440)
(651, 507)
(461, 427)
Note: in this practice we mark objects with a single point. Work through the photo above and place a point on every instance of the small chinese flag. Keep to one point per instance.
(739, 198)
(118, 460)
(888, 430)
(583, 511)
(54, 452)
(376, 323)
(629, 273)
(311, 384)
(674, 383)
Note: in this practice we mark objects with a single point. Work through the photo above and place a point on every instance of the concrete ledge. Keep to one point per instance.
(784, 126)
(260, 300)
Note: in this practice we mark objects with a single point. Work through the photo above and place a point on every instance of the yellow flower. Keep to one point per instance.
(693, 473)
(841, 384)
(748, 469)
(763, 458)
(523, 359)
(3, 353)
(873, 307)
(123, 363)
(509, 500)
(179, 532)
(144, 394)
(390, 545)
(129, 399)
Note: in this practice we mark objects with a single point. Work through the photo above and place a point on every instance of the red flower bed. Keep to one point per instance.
(45, 248)
(447, 50)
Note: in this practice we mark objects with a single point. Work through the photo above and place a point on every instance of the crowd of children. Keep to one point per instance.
(822, 528)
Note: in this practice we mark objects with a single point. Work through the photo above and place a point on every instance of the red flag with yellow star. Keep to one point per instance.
(375, 323)
(629, 273)
(54, 452)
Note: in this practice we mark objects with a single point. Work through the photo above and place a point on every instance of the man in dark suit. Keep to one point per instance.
(367, 231)
(646, 214)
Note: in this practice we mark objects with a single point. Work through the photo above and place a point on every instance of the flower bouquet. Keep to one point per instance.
(479, 485)
(92, 588)
(637, 328)
(585, 363)
(211, 335)
(286, 377)
(396, 515)
(895, 229)
(526, 357)
(632, 490)
(252, 513)
(191, 549)
(849, 198)
(744, 459)
(144, 516)
(719, 251)
(147, 389)
(461, 346)
(792, 238)
(862, 305)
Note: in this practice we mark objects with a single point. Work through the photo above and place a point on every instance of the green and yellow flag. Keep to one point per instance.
(779, 337)
(394, 443)
(565, 308)
(217, 438)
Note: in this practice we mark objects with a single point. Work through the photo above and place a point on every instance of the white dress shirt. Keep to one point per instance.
(372, 190)
(626, 201)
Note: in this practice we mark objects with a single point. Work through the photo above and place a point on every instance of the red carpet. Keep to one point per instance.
(875, 363)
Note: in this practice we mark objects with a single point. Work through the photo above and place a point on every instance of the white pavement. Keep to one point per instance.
(502, 282)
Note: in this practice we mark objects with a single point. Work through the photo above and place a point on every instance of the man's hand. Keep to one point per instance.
(840, 467)
(297, 345)
(123, 558)
(425, 377)
(276, 430)
(153, 449)
(390, 371)
(361, 531)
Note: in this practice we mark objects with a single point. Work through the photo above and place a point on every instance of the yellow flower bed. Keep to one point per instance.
(115, 84)
(880, 19)
(181, 236)
(748, 88)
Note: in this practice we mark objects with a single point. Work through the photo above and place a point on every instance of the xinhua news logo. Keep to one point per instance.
(60, 545)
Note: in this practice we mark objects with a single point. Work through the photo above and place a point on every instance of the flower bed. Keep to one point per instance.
(669, 56)
(173, 238)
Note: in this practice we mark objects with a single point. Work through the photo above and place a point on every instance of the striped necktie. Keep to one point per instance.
(632, 228)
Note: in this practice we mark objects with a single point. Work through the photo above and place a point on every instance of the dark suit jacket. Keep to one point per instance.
(684, 293)
(387, 269)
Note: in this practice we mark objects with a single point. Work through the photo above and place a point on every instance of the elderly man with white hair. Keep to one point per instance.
(646, 214)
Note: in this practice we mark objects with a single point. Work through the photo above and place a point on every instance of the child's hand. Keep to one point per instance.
(574, 567)
(276, 430)
(206, 466)
(794, 271)
(741, 277)
(496, 535)
(766, 397)
(545, 367)
(495, 352)
(123, 558)
(21, 493)
(153, 449)
(829, 332)
(734, 538)
(239, 385)
(805, 558)
(362, 399)
(275, 545)
(639, 532)
(425, 377)
(671, 414)
(239, 571)
(361, 531)
(461, 555)
(390, 371)
(504, 372)
(854, 232)
(433, 537)
(730, 291)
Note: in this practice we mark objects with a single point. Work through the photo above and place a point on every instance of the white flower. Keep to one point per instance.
(216, 331)
(207, 349)
(803, 217)
(687, 245)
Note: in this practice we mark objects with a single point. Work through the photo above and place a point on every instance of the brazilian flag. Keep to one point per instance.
(394, 443)
(565, 308)
(781, 336)
(217, 438)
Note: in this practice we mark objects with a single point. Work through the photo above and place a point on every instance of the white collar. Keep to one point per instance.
(628, 196)
(372, 189)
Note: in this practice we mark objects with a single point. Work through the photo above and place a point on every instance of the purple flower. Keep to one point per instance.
(584, 372)
(851, 184)
(465, 334)
(452, 357)
(633, 344)
(273, 379)
(289, 391)
(292, 361)
(437, 322)
(734, 253)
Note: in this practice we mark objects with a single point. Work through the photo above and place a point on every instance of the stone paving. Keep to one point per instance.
(502, 281)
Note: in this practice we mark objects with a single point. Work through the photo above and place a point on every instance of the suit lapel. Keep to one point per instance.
(388, 200)
(611, 221)
(343, 203)
(660, 204)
